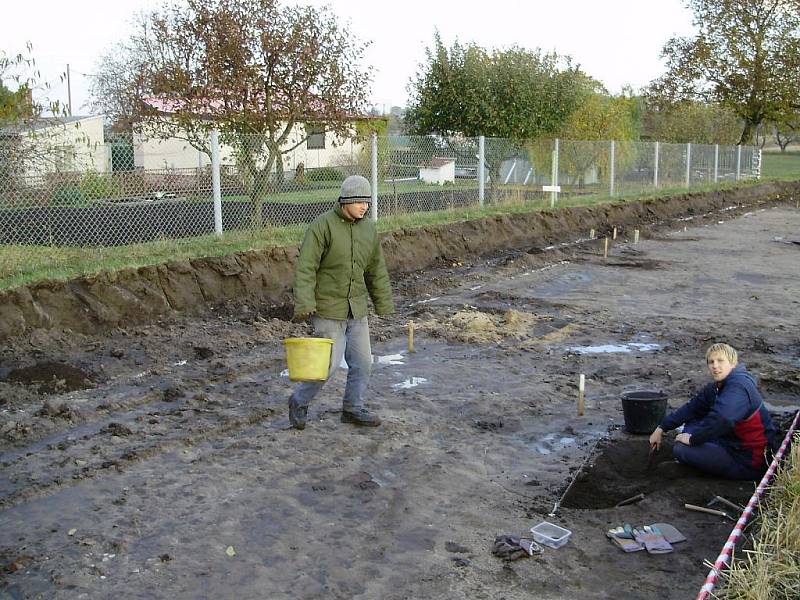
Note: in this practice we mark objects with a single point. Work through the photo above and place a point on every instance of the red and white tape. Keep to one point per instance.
(723, 560)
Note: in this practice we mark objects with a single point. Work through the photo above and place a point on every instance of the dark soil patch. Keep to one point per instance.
(51, 377)
(621, 470)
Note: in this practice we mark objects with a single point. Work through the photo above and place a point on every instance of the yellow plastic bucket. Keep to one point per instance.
(309, 358)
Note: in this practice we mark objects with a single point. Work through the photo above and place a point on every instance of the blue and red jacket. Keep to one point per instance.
(730, 413)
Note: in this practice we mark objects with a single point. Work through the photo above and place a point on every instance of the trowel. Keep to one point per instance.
(651, 458)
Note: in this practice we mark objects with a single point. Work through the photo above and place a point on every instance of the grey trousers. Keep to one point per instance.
(351, 340)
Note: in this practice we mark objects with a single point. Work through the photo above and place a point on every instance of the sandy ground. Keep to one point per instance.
(157, 462)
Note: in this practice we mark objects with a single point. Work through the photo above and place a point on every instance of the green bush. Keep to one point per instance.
(68, 194)
(324, 174)
(95, 185)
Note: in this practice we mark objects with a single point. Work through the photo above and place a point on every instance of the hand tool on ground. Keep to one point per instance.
(709, 511)
(633, 499)
(725, 501)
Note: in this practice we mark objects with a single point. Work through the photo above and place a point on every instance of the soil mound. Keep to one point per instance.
(51, 377)
(477, 327)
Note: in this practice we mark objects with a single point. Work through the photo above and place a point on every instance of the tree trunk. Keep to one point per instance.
(747, 132)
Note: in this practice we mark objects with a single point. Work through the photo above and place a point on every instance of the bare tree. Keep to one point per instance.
(787, 131)
(254, 69)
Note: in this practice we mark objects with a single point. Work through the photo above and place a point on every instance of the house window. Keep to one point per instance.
(316, 138)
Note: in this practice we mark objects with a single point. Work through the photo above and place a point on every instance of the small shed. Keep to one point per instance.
(439, 171)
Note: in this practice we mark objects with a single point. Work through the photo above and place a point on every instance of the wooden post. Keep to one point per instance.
(411, 336)
(581, 389)
(605, 247)
(635, 236)
(614, 234)
(591, 234)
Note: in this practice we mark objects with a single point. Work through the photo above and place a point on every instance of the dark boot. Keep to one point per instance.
(360, 416)
(297, 415)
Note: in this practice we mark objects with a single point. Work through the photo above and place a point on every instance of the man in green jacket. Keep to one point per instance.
(340, 267)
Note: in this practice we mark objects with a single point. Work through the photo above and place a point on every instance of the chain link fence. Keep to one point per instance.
(167, 189)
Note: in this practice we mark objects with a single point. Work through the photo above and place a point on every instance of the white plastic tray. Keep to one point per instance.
(550, 535)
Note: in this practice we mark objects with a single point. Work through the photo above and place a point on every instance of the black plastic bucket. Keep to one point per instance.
(643, 410)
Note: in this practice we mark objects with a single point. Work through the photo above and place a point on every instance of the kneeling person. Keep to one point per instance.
(727, 430)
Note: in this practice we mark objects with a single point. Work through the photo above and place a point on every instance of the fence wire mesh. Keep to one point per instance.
(155, 190)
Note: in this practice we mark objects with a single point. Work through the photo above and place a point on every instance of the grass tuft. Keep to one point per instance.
(771, 569)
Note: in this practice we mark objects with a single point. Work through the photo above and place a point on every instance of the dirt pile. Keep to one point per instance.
(478, 327)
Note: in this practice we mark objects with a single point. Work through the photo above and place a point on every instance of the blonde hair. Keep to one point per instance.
(728, 351)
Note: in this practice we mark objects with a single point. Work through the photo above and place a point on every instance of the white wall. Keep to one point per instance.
(439, 175)
(173, 153)
(72, 146)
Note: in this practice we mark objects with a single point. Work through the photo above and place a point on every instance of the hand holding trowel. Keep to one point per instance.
(651, 456)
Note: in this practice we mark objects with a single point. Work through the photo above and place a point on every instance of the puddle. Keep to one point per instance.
(552, 443)
(614, 348)
(389, 359)
(386, 478)
(425, 301)
(409, 383)
(563, 284)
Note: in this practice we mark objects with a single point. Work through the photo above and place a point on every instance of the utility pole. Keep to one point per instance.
(69, 94)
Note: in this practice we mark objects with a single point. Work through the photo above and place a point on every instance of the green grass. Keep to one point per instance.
(780, 165)
(22, 265)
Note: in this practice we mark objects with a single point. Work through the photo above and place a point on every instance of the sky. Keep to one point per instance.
(615, 41)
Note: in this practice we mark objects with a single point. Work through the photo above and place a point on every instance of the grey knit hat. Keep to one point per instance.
(355, 189)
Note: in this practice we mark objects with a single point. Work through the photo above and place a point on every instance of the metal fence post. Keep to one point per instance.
(738, 161)
(554, 174)
(481, 172)
(716, 162)
(374, 155)
(655, 168)
(758, 158)
(215, 182)
(612, 173)
(688, 164)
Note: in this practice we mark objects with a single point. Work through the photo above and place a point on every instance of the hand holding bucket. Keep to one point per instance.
(309, 359)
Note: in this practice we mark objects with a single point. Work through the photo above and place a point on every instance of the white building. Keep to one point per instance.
(318, 148)
(440, 171)
(59, 145)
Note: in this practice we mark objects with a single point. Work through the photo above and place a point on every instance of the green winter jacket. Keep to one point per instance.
(341, 265)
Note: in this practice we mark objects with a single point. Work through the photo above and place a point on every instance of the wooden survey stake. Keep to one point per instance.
(411, 336)
(581, 394)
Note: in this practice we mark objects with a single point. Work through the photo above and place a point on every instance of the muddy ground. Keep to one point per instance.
(156, 460)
